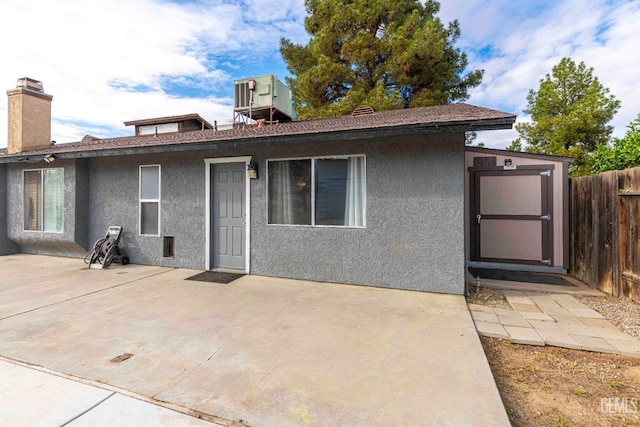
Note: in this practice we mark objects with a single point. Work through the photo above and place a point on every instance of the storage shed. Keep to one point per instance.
(517, 210)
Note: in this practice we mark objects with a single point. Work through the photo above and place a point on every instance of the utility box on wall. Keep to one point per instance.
(263, 97)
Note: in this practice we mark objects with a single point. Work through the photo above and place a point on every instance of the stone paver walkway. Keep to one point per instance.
(557, 320)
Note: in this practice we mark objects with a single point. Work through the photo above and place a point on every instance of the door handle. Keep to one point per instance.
(478, 217)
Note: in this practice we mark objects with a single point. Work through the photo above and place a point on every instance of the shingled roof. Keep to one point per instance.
(413, 121)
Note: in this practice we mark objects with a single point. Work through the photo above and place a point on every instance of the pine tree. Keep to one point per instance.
(569, 113)
(387, 54)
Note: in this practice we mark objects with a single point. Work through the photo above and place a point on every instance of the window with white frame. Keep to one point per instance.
(158, 129)
(317, 191)
(150, 200)
(44, 200)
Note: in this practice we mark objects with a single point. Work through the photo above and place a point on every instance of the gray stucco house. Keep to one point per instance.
(375, 199)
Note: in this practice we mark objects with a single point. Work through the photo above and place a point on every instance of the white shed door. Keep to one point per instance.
(512, 216)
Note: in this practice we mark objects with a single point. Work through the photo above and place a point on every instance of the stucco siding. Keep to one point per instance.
(414, 235)
(70, 242)
(114, 200)
(6, 246)
(82, 214)
(413, 239)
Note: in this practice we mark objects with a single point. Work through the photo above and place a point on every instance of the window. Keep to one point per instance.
(44, 200)
(150, 200)
(320, 191)
(157, 129)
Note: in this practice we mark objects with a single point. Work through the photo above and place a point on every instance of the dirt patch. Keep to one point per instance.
(550, 386)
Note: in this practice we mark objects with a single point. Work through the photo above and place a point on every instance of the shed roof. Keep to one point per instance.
(413, 121)
(550, 157)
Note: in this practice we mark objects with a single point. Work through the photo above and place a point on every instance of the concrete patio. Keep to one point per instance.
(262, 350)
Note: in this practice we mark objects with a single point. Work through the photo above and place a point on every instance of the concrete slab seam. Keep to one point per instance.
(87, 410)
(117, 390)
(87, 294)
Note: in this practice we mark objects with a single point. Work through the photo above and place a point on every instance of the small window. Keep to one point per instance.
(150, 200)
(44, 200)
(321, 191)
(157, 129)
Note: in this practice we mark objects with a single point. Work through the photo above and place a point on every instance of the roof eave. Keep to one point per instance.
(266, 140)
(505, 152)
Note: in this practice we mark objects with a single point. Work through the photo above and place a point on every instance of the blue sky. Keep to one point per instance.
(110, 62)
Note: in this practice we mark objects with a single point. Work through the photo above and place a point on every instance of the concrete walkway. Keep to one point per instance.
(30, 397)
(263, 350)
(558, 320)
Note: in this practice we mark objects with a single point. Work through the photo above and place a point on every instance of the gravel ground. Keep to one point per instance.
(487, 296)
(622, 312)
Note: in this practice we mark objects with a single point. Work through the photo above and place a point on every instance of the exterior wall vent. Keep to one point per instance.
(484, 161)
(167, 247)
(363, 110)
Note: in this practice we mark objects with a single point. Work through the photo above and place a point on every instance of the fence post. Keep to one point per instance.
(615, 234)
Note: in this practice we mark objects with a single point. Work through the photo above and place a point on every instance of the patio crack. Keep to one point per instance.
(84, 295)
(185, 373)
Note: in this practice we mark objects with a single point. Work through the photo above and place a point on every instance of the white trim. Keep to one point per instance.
(311, 158)
(339, 156)
(207, 198)
(141, 200)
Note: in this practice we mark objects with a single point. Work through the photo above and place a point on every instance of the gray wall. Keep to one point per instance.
(414, 238)
(114, 201)
(6, 246)
(72, 241)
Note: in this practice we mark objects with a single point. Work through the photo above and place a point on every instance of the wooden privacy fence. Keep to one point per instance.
(605, 240)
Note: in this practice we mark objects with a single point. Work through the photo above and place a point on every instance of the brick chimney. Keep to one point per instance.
(29, 117)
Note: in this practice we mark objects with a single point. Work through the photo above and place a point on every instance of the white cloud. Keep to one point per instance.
(527, 39)
(107, 62)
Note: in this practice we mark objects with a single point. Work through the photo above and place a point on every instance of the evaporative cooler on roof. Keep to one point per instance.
(262, 98)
